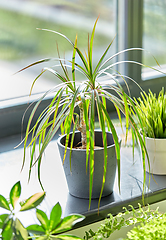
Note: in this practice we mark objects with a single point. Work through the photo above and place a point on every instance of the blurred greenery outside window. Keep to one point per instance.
(21, 43)
(154, 32)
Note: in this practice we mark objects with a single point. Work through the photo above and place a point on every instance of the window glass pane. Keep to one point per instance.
(21, 43)
(154, 35)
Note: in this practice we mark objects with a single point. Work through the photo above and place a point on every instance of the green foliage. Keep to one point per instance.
(10, 225)
(12, 228)
(149, 225)
(16, 43)
(155, 228)
(55, 225)
(111, 224)
(152, 110)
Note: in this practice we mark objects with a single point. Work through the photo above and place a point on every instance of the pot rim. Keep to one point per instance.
(79, 149)
(153, 139)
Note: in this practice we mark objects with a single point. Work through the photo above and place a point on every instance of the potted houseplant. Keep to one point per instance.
(141, 223)
(152, 111)
(11, 226)
(90, 98)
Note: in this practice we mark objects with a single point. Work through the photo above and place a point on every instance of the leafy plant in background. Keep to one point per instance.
(150, 224)
(12, 228)
(152, 110)
(90, 97)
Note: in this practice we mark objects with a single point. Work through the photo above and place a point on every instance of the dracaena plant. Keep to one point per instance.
(89, 96)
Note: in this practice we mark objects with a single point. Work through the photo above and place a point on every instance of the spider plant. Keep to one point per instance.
(90, 97)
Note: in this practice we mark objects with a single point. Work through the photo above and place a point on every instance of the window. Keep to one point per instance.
(154, 37)
(21, 44)
(154, 31)
(133, 30)
(131, 20)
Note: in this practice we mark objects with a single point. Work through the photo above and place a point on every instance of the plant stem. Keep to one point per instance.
(82, 127)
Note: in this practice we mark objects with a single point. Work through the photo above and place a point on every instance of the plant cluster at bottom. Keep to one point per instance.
(154, 228)
(147, 225)
(48, 228)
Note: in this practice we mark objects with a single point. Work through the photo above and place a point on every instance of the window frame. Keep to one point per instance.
(130, 35)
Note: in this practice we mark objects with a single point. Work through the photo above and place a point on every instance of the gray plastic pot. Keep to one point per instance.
(77, 178)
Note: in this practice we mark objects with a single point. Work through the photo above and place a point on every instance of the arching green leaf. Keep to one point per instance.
(15, 194)
(4, 203)
(55, 216)
(68, 222)
(35, 229)
(104, 136)
(33, 201)
(43, 219)
(21, 232)
(3, 220)
(7, 232)
(92, 144)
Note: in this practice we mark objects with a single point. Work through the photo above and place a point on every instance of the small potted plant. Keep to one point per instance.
(152, 112)
(90, 98)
